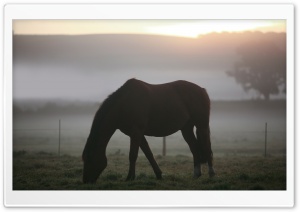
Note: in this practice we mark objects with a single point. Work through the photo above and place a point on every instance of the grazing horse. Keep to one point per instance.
(138, 109)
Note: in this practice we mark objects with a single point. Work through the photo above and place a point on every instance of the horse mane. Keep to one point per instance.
(106, 105)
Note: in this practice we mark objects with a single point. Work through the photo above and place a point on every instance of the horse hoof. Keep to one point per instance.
(159, 177)
(212, 174)
(130, 178)
(197, 176)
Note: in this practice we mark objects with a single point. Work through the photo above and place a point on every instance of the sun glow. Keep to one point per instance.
(181, 28)
(193, 30)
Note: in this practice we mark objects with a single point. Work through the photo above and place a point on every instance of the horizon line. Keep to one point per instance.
(152, 34)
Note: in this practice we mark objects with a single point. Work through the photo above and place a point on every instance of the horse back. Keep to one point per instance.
(161, 109)
(195, 99)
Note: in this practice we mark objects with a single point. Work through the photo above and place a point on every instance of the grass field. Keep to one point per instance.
(237, 137)
(45, 171)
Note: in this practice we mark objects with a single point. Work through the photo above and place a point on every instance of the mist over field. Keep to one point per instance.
(67, 77)
(90, 67)
(237, 127)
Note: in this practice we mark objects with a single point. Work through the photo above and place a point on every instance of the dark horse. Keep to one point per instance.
(138, 109)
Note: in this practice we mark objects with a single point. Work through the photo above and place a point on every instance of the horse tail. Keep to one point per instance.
(203, 137)
(203, 132)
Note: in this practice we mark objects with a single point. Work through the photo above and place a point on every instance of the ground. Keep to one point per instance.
(45, 171)
(238, 138)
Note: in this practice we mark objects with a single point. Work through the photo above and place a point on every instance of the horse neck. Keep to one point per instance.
(102, 130)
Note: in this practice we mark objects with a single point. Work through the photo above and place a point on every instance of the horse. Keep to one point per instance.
(139, 109)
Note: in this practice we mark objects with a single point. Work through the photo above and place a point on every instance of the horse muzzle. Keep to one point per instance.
(87, 181)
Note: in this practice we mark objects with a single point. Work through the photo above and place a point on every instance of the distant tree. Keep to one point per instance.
(262, 67)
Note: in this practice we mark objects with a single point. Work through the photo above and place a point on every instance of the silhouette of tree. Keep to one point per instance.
(262, 67)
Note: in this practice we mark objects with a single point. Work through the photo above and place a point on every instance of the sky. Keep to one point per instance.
(182, 28)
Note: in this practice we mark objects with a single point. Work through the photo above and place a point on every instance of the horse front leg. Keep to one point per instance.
(135, 140)
(149, 155)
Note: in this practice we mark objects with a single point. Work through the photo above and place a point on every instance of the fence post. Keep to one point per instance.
(59, 138)
(266, 134)
(164, 146)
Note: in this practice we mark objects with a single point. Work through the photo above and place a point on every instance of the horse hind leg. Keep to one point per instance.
(189, 137)
(211, 170)
(135, 140)
(149, 155)
(203, 137)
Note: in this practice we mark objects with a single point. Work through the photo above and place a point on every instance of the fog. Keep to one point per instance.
(89, 67)
(67, 77)
(63, 84)
(237, 127)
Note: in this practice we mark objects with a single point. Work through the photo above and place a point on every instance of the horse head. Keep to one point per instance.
(94, 162)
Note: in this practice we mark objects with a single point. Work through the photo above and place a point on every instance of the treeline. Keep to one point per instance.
(71, 107)
(51, 108)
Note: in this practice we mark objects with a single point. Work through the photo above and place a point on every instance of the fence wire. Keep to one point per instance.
(71, 141)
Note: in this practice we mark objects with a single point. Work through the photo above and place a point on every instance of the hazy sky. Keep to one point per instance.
(185, 28)
(63, 82)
